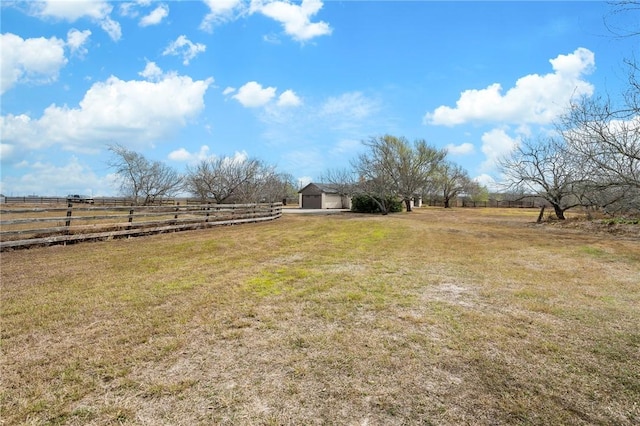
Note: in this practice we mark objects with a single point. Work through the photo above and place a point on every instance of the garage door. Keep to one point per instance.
(312, 201)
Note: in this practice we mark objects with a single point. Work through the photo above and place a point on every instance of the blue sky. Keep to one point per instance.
(296, 84)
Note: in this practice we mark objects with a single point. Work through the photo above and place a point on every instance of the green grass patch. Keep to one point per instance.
(593, 251)
(275, 282)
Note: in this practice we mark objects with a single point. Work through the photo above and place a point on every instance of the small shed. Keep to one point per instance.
(322, 196)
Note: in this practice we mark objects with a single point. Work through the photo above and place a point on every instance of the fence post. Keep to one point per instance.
(68, 222)
(130, 217)
(541, 215)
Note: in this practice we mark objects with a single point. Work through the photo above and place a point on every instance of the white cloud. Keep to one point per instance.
(462, 149)
(131, 9)
(113, 110)
(17, 132)
(71, 10)
(151, 72)
(112, 28)
(221, 11)
(182, 155)
(36, 60)
(97, 11)
(534, 99)
(182, 46)
(295, 18)
(349, 106)
(496, 144)
(6, 151)
(237, 158)
(45, 178)
(288, 98)
(489, 182)
(573, 65)
(350, 115)
(271, 38)
(253, 95)
(128, 9)
(346, 146)
(156, 16)
(76, 40)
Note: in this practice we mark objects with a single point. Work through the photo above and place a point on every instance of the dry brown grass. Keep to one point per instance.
(434, 317)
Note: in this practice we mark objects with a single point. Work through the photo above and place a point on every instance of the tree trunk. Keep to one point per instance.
(559, 211)
(407, 202)
(381, 206)
(446, 203)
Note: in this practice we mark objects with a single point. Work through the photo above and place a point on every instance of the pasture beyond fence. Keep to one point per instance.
(23, 227)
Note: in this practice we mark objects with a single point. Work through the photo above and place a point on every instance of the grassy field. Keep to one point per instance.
(433, 317)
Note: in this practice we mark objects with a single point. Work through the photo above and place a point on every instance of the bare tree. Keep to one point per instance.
(607, 140)
(604, 134)
(220, 179)
(451, 180)
(343, 181)
(393, 167)
(547, 169)
(277, 187)
(143, 180)
(604, 138)
(236, 180)
(622, 8)
(374, 182)
(477, 192)
(266, 185)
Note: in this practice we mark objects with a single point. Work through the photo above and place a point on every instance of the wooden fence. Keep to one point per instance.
(527, 203)
(97, 201)
(23, 227)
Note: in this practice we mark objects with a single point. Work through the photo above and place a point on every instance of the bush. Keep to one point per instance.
(367, 204)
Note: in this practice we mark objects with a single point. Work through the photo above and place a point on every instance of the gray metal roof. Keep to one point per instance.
(323, 187)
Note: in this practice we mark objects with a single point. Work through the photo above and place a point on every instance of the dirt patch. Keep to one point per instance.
(451, 293)
(597, 226)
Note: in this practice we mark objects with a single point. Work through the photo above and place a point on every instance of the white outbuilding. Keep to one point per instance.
(322, 196)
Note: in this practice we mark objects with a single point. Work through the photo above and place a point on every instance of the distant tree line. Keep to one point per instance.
(391, 173)
(228, 180)
(393, 170)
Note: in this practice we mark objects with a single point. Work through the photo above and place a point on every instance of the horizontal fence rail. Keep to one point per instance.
(23, 227)
(529, 203)
(98, 201)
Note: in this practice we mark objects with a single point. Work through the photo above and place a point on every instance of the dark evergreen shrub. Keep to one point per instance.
(366, 204)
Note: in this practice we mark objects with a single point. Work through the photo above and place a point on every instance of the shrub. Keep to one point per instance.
(367, 204)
